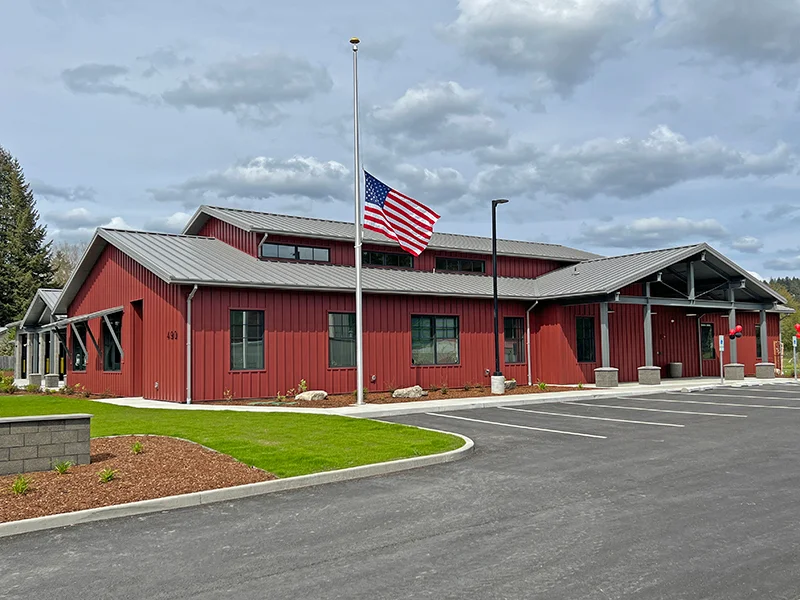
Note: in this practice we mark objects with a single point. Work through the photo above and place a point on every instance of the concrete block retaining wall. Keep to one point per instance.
(37, 443)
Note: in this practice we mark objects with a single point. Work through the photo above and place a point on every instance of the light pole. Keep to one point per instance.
(498, 381)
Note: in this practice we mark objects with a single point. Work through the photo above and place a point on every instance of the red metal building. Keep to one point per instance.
(246, 304)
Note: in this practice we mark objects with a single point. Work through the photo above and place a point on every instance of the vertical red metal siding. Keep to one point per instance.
(117, 280)
(296, 342)
(342, 252)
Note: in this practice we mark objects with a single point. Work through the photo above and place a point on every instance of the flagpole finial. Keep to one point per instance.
(355, 41)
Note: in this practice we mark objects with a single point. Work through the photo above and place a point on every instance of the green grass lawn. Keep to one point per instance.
(285, 444)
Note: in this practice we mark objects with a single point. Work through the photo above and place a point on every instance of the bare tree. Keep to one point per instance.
(65, 259)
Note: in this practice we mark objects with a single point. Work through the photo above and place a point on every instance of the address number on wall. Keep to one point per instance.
(172, 335)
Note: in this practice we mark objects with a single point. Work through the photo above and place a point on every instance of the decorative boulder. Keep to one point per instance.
(311, 395)
(511, 384)
(414, 391)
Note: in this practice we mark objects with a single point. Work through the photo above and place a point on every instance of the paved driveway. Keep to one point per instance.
(668, 496)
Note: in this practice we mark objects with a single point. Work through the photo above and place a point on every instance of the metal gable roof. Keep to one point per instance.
(43, 304)
(339, 230)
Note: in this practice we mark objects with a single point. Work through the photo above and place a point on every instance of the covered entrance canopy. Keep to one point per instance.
(696, 280)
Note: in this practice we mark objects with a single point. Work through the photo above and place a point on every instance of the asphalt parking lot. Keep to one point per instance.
(673, 495)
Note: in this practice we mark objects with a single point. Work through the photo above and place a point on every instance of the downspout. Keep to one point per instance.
(528, 328)
(189, 345)
(700, 341)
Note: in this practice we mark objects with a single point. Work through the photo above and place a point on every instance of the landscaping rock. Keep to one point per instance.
(511, 384)
(414, 391)
(311, 395)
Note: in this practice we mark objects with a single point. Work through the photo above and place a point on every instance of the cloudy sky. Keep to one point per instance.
(612, 125)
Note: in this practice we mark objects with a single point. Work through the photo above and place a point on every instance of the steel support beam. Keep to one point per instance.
(648, 328)
(682, 302)
(114, 336)
(605, 350)
(764, 337)
(94, 341)
(732, 323)
(75, 336)
(690, 281)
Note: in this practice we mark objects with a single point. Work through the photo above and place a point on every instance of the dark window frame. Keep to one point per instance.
(76, 349)
(758, 343)
(334, 331)
(297, 248)
(447, 262)
(517, 325)
(434, 328)
(367, 255)
(711, 342)
(112, 360)
(246, 339)
(585, 345)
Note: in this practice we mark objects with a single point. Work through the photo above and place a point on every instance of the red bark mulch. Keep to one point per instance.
(339, 400)
(166, 467)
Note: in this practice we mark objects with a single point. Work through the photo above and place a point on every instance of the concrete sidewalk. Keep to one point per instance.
(424, 406)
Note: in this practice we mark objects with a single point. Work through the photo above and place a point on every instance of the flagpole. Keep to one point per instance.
(357, 168)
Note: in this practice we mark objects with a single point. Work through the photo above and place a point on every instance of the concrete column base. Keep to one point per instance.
(765, 370)
(34, 379)
(606, 377)
(649, 375)
(51, 380)
(734, 371)
(498, 384)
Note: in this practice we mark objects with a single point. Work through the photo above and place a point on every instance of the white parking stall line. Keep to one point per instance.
(557, 414)
(588, 435)
(718, 403)
(735, 396)
(660, 410)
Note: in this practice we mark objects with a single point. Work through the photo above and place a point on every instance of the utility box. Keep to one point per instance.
(675, 370)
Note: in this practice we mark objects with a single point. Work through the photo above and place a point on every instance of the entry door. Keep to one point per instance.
(24, 350)
(709, 349)
(137, 350)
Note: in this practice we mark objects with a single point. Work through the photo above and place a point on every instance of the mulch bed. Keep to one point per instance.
(339, 400)
(166, 467)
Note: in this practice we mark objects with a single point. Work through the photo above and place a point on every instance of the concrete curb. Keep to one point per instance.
(233, 493)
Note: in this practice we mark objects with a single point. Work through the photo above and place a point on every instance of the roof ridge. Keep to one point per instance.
(317, 219)
(591, 260)
(158, 233)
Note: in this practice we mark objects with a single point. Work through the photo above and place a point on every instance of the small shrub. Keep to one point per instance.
(107, 475)
(7, 385)
(468, 386)
(62, 467)
(32, 388)
(541, 385)
(302, 386)
(86, 394)
(444, 389)
(21, 485)
(290, 393)
(366, 392)
(137, 448)
(107, 393)
(227, 395)
(580, 385)
(279, 397)
(67, 390)
(433, 388)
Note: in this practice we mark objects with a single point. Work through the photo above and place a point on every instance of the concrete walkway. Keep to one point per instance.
(424, 406)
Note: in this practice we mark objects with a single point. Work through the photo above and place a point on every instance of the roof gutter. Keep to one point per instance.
(528, 329)
(189, 345)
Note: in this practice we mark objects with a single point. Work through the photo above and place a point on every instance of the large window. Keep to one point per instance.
(586, 339)
(342, 339)
(247, 340)
(292, 252)
(112, 358)
(758, 342)
(514, 340)
(434, 340)
(78, 354)
(707, 347)
(464, 265)
(387, 259)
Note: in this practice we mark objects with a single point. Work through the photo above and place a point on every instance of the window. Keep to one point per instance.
(78, 355)
(247, 340)
(292, 252)
(342, 339)
(388, 259)
(758, 342)
(464, 265)
(707, 347)
(514, 340)
(434, 340)
(586, 349)
(112, 358)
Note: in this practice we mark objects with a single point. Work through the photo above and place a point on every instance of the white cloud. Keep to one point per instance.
(75, 218)
(560, 43)
(170, 224)
(95, 78)
(429, 186)
(78, 193)
(742, 31)
(254, 88)
(264, 177)
(651, 232)
(630, 168)
(791, 263)
(756, 275)
(439, 116)
(748, 244)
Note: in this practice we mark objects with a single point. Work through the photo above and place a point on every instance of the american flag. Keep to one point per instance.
(398, 217)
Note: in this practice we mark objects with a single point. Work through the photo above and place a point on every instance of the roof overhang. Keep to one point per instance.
(64, 323)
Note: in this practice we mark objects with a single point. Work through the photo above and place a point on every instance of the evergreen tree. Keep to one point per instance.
(24, 251)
